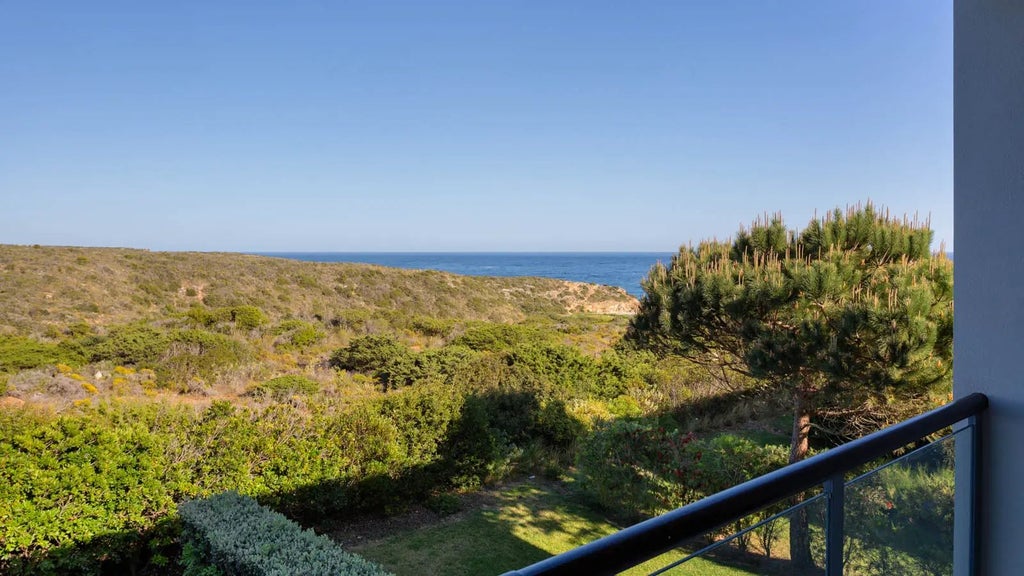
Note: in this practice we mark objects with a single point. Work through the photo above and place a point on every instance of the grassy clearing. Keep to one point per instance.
(522, 524)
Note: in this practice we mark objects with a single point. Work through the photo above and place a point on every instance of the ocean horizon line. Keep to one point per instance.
(480, 252)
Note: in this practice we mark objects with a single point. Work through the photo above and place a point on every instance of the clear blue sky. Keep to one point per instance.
(467, 126)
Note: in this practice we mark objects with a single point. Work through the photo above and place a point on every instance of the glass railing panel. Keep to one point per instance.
(899, 517)
(757, 544)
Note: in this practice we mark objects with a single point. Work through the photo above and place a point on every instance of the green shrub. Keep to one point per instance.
(368, 353)
(501, 337)
(243, 317)
(444, 504)
(306, 336)
(431, 326)
(620, 371)
(199, 354)
(903, 517)
(635, 469)
(390, 361)
(136, 345)
(208, 317)
(241, 537)
(306, 281)
(471, 447)
(21, 353)
(82, 349)
(248, 317)
(355, 319)
(284, 386)
(301, 337)
(287, 326)
(728, 460)
(486, 372)
(556, 426)
(625, 407)
(639, 469)
(422, 417)
(441, 363)
(117, 468)
(76, 494)
(564, 367)
(78, 330)
(296, 334)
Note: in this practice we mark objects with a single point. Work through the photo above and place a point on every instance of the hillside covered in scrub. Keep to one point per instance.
(340, 396)
(132, 381)
(45, 288)
(81, 324)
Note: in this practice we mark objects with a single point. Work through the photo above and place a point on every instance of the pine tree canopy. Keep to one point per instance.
(847, 316)
(854, 302)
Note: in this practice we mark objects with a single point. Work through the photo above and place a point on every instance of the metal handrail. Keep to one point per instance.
(643, 541)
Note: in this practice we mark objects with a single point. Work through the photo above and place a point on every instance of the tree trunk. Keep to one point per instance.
(799, 535)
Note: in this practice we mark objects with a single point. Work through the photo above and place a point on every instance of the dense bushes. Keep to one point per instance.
(382, 356)
(117, 468)
(243, 317)
(903, 516)
(639, 469)
(296, 335)
(198, 354)
(636, 470)
(441, 364)
(562, 366)
(500, 337)
(76, 492)
(136, 345)
(248, 317)
(240, 537)
(305, 337)
(178, 356)
(530, 352)
(455, 416)
(283, 386)
(20, 353)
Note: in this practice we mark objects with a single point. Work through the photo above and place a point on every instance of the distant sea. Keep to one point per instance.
(622, 269)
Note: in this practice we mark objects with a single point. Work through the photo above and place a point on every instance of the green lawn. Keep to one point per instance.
(525, 523)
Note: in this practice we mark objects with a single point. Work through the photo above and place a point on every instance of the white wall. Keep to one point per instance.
(989, 258)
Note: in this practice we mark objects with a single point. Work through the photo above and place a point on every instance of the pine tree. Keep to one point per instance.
(852, 311)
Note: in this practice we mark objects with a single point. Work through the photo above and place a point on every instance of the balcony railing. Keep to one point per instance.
(893, 518)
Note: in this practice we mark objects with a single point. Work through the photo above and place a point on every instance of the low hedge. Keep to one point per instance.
(240, 537)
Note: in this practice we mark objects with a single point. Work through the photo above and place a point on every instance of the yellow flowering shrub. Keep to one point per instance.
(119, 385)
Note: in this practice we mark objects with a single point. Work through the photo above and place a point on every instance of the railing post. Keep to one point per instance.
(835, 488)
(967, 450)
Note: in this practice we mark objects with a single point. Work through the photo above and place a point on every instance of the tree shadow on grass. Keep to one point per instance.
(573, 523)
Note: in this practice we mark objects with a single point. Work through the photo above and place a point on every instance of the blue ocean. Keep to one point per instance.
(623, 269)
